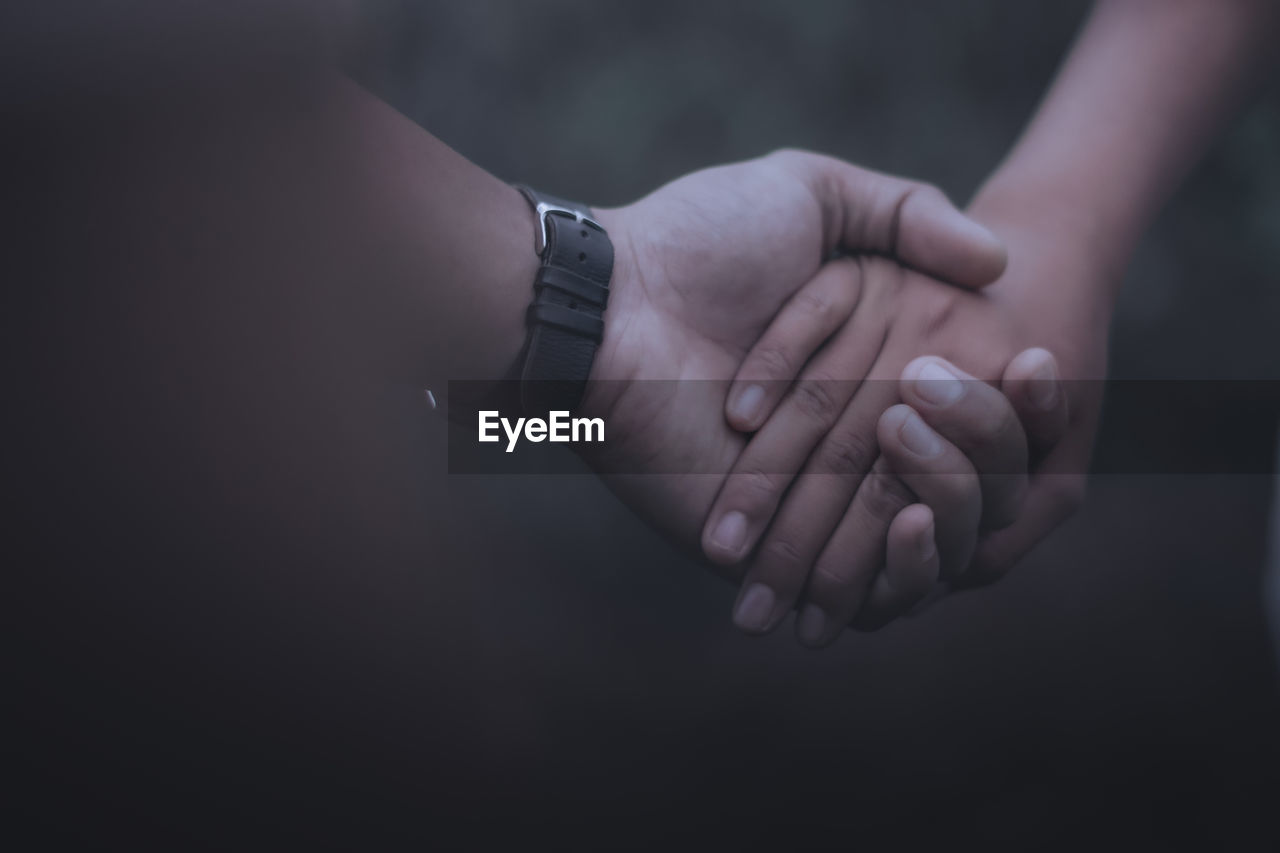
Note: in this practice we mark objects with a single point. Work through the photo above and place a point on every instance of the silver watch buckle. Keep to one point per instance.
(542, 210)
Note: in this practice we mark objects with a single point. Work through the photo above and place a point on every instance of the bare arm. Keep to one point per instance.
(464, 236)
(1147, 88)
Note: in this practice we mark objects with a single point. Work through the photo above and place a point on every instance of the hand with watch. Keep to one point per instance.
(701, 268)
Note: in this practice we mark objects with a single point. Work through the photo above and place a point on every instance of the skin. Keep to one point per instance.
(318, 212)
(681, 312)
(1070, 201)
(701, 270)
(1089, 174)
(850, 488)
(702, 267)
(705, 265)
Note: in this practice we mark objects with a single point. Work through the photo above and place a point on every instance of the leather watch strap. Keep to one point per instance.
(566, 318)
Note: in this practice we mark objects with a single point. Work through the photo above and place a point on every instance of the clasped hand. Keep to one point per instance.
(777, 408)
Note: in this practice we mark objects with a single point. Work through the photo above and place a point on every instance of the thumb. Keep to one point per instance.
(934, 237)
(912, 222)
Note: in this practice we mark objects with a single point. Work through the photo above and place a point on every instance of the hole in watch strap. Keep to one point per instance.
(572, 284)
(561, 317)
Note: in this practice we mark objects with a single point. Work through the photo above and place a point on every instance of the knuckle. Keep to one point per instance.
(819, 306)
(829, 580)
(845, 454)
(774, 361)
(782, 552)
(755, 488)
(816, 399)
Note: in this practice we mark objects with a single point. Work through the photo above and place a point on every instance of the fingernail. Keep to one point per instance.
(927, 547)
(811, 627)
(918, 438)
(730, 533)
(938, 385)
(747, 404)
(755, 608)
(1043, 388)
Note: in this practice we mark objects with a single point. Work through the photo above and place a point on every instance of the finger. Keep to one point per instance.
(913, 222)
(812, 509)
(1056, 492)
(1033, 388)
(979, 420)
(779, 450)
(843, 573)
(1051, 500)
(941, 477)
(781, 564)
(805, 322)
(910, 570)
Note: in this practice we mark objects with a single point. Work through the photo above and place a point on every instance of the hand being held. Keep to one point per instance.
(825, 543)
(703, 266)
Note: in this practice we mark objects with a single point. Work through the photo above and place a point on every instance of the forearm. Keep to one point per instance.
(416, 264)
(1147, 87)
(460, 255)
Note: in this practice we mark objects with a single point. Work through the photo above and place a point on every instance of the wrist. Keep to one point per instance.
(1022, 200)
(1048, 229)
(1062, 278)
(609, 370)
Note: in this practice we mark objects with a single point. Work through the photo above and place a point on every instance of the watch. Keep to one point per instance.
(570, 292)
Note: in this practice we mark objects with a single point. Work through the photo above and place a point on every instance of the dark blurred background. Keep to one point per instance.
(434, 655)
